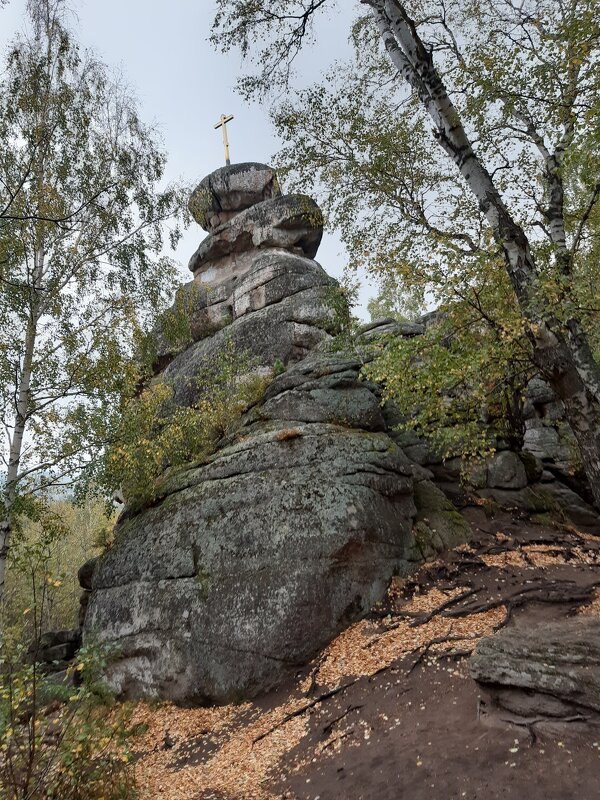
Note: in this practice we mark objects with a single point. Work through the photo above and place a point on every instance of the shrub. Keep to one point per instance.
(156, 434)
(56, 750)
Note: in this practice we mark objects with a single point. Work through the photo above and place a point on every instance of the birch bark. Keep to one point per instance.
(560, 351)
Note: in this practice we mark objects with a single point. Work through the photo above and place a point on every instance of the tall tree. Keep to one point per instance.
(81, 236)
(509, 94)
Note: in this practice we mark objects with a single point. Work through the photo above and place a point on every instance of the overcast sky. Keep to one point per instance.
(183, 85)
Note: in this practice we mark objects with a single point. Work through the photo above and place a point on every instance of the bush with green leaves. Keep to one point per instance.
(156, 435)
(52, 540)
(62, 741)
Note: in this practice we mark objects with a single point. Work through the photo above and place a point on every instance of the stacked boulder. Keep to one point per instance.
(249, 563)
(255, 280)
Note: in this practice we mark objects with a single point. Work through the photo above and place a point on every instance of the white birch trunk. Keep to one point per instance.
(561, 352)
(22, 410)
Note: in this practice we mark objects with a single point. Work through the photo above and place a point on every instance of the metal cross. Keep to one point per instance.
(222, 123)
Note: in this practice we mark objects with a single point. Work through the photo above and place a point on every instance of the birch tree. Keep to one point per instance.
(81, 235)
(495, 109)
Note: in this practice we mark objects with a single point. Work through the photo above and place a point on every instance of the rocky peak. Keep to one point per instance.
(292, 529)
(229, 190)
(242, 208)
(258, 254)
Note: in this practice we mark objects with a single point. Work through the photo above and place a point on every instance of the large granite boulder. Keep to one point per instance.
(247, 563)
(229, 190)
(292, 222)
(251, 562)
(505, 470)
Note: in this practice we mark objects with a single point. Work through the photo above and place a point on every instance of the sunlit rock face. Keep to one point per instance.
(250, 563)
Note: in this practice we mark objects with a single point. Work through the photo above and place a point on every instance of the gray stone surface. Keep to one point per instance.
(506, 471)
(544, 497)
(262, 279)
(539, 392)
(86, 573)
(323, 388)
(55, 649)
(438, 525)
(229, 190)
(286, 332)
(274, 276)
(292, 222)
(390, 327)
(251, 563)
(550, 670)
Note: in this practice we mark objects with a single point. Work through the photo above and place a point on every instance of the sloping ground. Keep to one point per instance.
(388, 710)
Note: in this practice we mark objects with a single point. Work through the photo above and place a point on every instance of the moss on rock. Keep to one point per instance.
(438, 525)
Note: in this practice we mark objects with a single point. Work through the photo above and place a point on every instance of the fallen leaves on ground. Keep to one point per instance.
(234, 752)
(234, 764)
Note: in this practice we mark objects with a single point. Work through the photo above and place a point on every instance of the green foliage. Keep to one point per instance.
(461, 384)
(341, 299)
(59, 740)
(524, 81)
(75, 750)
(389, 303)
(82, 270)
(50, 543)
(156, 436)
(173, 329)
(278, 367)
(235, 26)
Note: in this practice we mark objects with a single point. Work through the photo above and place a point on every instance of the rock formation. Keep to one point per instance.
(544, 477)
(249, 563)
(548, 673)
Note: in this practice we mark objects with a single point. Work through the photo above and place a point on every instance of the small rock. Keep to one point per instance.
(551, 670)
(506, 471)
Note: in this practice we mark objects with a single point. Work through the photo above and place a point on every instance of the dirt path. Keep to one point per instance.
(388, 710)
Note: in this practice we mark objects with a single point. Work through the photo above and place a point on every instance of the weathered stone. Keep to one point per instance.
(539, 392)
(84, 600)
(438, 525)
(286, 331)
(247, 284)
(554, 412)
(572, 504)
(423, 454)
(292, 222)
(86, 573)
(254, 561)
(551, 670)
(549, 445)
(323, 388)
(390, 327)
(534, 468)
(231, 189)
(51, 639)
(274, 276)
(505, 470)
(544, 497)
(54, 649)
